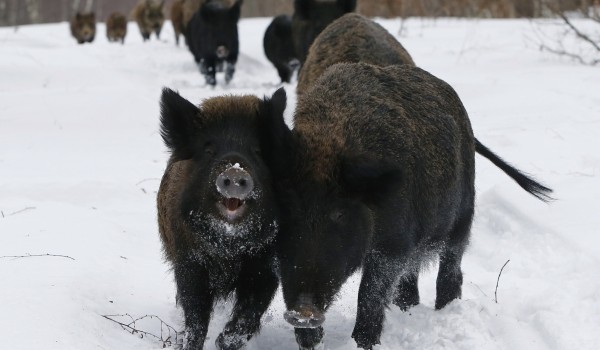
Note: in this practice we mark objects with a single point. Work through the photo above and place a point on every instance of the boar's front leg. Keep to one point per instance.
(380, 275)
(196, 299)
(229, 70)
(255, 289)
(207, 68)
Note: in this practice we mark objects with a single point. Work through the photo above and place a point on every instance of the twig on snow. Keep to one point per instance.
(164, 339)
(19, 211)
(498, 281)
(148, 179)
(36, 256)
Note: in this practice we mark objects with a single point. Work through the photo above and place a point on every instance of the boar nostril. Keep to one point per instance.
(235, 182)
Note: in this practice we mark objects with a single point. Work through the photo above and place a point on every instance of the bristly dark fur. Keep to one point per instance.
(212, 37)
(377, 174)
(311, 17)
(351, 38)
(213, 257)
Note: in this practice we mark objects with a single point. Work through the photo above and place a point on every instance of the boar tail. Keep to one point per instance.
(527, 183)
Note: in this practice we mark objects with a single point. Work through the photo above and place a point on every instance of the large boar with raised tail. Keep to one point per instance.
(377, 174)
(217, 214)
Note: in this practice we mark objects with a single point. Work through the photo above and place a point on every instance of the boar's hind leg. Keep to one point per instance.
(380, 275)
(196, 300)
(407, 292)
(308, 338)
(255, 289)
(449, 279)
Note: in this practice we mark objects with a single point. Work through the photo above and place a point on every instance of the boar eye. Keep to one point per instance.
(209, 148)
(336, 215)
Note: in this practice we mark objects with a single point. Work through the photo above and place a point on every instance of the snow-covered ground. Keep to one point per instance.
(81, 159)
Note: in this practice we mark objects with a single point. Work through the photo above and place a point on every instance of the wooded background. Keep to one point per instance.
(18, 12)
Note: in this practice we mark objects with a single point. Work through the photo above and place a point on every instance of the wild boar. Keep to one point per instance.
(311, 17)
(377, 174)
(149, 16)
(212, 37)
(217, 213)
(351, 38)
(116, 27)
(279, 47)
(83, 27)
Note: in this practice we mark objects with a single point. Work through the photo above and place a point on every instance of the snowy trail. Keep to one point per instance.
(81, 159)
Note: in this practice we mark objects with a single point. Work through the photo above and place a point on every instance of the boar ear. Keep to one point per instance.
(235, 10)
(179, 121)
(347, 5)
(369, 178)
(302, 8)
(276, 136)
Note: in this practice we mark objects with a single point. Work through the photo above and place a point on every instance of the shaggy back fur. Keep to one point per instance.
(352, 38)
(311, 17)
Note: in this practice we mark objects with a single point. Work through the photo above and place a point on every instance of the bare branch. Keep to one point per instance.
(577, 32)
(570, 55)
(498, 281)
(36, 256)
(164, 339)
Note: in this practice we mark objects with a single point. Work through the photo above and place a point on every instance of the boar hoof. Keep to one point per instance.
(364, 339)
(229, 342)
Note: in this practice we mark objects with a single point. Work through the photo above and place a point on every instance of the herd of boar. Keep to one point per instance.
(376, 175)
(210, 30)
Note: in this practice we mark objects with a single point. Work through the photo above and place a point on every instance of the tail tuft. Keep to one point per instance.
(526, 182)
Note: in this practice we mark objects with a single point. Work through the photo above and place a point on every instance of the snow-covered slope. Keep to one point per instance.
(81, 159)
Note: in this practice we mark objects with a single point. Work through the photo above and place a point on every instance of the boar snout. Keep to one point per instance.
(222, 52)
(294, 63)
(305, 314)
(235, 182)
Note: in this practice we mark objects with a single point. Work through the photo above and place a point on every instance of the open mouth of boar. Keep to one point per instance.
(232, 208)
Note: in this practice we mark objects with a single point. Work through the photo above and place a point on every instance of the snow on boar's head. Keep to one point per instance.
(215, 198)
(83, 27)
(311, 17)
